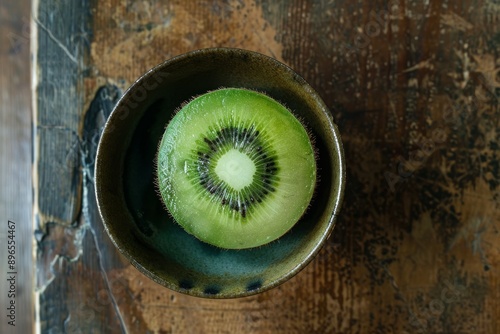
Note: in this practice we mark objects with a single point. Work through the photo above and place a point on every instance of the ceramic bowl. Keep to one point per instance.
(129, 204)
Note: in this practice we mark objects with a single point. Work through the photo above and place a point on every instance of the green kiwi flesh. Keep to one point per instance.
(235, 168)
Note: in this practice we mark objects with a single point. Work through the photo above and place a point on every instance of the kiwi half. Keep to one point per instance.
(235, 168)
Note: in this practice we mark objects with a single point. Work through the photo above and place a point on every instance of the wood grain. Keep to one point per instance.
(414, 88)
(15, 163)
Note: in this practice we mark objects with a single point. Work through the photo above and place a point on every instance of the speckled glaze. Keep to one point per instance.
(131, 209)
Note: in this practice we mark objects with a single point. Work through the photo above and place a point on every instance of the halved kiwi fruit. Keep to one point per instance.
(235, 168)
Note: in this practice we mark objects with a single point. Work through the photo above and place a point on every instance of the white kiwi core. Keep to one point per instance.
(236, 169)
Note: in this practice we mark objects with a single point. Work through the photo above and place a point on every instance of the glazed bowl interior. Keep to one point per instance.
(130, 206)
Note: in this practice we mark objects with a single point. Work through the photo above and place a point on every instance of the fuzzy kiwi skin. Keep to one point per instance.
(216, 220)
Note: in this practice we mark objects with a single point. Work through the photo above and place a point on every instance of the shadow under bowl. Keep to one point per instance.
(130, 206)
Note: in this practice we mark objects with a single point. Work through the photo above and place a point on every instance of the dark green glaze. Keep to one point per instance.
(125, 183)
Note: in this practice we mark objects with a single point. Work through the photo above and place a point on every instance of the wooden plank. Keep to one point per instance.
(70, 267)
(414, 89)
(15, 169)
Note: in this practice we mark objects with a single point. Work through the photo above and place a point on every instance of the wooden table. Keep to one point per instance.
(16, 189)
(413, 86)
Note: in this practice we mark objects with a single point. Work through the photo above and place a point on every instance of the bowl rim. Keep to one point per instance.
(338, 194)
